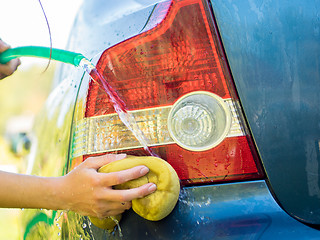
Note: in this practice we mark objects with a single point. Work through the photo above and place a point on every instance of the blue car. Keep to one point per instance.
(227, 92)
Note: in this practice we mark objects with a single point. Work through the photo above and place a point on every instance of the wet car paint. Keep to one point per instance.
(50, 149)
(273, 52)
(223, 211)
(226, 211)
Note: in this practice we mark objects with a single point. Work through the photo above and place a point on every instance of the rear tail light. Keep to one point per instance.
(174, 81)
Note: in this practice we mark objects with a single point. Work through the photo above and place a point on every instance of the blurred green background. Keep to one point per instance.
(21, 97)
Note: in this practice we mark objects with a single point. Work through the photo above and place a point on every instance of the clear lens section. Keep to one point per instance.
(106, 133)
(199, 121)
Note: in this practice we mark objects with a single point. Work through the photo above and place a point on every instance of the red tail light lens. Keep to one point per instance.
(173, 80)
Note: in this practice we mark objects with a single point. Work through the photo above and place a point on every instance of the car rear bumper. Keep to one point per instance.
(228, 211)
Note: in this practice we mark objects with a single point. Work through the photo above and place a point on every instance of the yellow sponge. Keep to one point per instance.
(157, 205)
(107, 223)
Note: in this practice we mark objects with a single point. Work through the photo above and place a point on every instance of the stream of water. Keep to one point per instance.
(119, 105)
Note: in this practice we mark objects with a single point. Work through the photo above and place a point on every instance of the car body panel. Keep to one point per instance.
(245, 210)
(227, 211)
(50, 147)
(273, 52)
(100, 25)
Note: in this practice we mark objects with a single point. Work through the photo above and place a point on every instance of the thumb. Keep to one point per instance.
(3, 46)
(99, 161)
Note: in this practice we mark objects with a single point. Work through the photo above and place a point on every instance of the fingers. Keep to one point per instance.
(139, 192)
(121, 206)
(88, 187)
(116, 178)
(99, 161)
(10, 67)
(111, 209)
(133, 193)
(3, 46)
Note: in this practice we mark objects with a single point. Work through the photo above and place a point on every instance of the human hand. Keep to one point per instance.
(86, 191)
(10, 67)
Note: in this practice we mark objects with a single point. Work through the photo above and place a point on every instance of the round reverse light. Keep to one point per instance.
(199, 121)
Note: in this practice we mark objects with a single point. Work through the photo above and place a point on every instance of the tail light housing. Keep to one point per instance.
(174, 80)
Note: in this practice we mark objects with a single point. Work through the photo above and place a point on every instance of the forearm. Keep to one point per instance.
(83, 190)
(24, 191)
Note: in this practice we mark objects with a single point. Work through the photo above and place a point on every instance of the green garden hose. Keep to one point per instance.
(41, 52)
